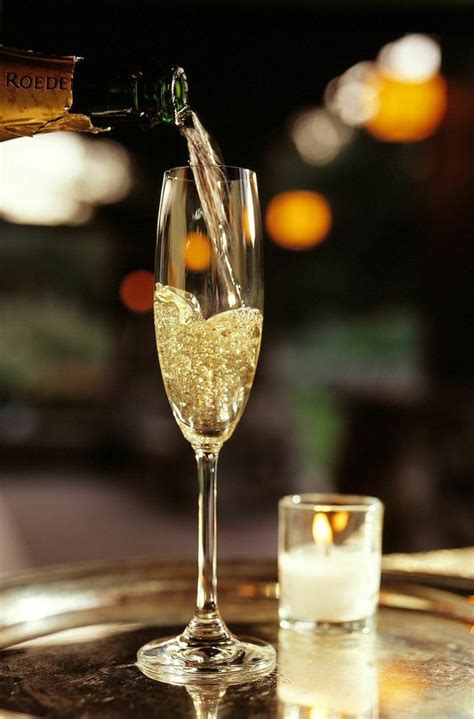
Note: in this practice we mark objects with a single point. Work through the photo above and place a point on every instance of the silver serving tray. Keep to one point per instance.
(69, 637)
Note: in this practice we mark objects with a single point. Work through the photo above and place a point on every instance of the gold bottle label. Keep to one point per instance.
(36, 94)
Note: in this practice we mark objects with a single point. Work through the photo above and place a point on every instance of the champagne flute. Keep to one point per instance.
(208, 319)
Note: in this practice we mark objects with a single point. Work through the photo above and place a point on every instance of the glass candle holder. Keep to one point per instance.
(329, 561)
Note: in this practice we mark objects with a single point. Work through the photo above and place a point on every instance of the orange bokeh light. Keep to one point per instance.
(299, 219)
(247, 229)
(197, 252)
(136, 290)
(407, 111)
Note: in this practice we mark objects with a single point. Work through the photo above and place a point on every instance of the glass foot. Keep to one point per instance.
(175, 660)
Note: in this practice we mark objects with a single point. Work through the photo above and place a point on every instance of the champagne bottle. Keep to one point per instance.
(40, 93)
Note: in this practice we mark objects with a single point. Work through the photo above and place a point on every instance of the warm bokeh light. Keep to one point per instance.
(136, 290)
(407, 111)
(58, 179)
(400, 98)
(412, 58)
(319, 135)
(298, 220)
(248, 225)
(197, 252)
(352, 97)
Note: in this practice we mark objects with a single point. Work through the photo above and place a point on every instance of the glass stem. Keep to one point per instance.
(207, 624)
(207, 557)
(206, 700)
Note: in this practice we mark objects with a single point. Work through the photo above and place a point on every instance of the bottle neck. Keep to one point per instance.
(151, 97)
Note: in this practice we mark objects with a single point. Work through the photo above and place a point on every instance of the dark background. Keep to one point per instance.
(365, 379)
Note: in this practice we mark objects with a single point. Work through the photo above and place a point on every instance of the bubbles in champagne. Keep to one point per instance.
(207, 366)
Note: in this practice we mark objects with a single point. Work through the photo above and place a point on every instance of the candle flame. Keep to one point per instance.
(322, 532)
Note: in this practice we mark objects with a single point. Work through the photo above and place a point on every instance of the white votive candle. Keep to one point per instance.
(328, 584)
(329, 559)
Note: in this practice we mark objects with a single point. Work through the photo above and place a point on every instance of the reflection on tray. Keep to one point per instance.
(327, 676)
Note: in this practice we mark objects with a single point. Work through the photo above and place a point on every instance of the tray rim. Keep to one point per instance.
(124, 587)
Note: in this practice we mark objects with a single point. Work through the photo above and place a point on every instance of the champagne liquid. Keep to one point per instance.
(212, 187)
(207, 366)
